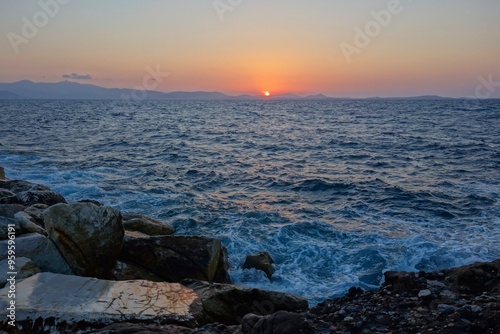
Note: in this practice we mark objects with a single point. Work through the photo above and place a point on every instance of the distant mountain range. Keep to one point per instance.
(71, 90)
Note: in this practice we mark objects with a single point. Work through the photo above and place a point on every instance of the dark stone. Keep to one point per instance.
(146, 225)
(8, 197)
(29, 193)
(227, 304)
(476, 278)
(260, 261)
(400, 282)
(175, 258)
(278, 323)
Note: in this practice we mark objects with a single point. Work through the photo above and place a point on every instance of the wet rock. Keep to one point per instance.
(278, 323)
(44, 305)
(260, 261)
(41, 250)
(146, 225)
(175, 258)
(227, 304)
(89, 237)
(2, 173)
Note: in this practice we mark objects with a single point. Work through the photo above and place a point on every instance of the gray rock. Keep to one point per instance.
(89, 237)
(227, 304)
(30, 193)
(127, 271)
(175, 258)
(41, 250)
(8, 197)
(28, 224)
(260, 261)
(89, 303)
(23, 266)
(278, 323)
(146, 225)
(424, 293)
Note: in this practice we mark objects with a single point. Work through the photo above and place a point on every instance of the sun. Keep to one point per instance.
(267, 94)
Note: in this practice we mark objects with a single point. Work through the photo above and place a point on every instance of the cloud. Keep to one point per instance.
(75, 76)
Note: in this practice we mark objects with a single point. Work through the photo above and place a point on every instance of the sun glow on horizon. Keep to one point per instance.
(267, 93)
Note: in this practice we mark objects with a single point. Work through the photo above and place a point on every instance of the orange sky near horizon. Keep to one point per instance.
(281, 46)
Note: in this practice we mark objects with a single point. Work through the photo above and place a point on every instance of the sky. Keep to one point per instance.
(339, 48)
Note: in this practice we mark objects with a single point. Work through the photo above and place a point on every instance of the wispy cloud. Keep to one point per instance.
(76, 76)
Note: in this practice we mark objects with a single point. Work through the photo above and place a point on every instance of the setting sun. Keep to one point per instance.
(267, 94)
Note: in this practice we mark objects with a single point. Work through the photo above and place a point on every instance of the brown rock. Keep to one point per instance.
(90, 237)
(175, 258)
(227, 304)
(146, 225)
(260, 261)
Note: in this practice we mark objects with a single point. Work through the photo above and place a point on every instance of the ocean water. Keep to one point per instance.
(338, 191)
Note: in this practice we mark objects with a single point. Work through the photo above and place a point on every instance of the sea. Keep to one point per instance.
(337, 191)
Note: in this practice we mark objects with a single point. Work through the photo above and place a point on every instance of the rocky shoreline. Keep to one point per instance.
(84, 267)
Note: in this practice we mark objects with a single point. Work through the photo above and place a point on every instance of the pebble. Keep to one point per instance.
(476, 308)
(424, 293)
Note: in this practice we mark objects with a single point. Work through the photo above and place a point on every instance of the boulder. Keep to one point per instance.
(476, 278)
(23, 266)
(50, 302)
(89, 237)
(260, 261)
(29, 193)
(2, 173)
(41, 250)
(227, 304)
(399, 282)
(146, 225)
(278, 323)
(126, 271)
(9, 210)
(28, 224)
(36, 213)
(8, 197)
(175, 258)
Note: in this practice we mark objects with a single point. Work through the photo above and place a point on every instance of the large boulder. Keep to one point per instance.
(2, 173)
(28, 193)
(50, 302)
(175, 258)
(477, 278)
(28, 224)
(90, 237)
(227, 304)
(8, 197)
(41, 250)
(260, 261)
(146, 225)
